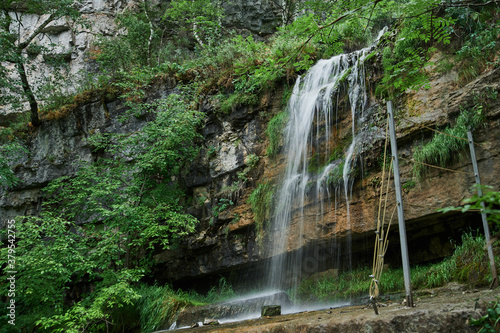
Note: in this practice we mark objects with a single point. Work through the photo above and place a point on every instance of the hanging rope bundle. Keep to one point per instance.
(381, 235)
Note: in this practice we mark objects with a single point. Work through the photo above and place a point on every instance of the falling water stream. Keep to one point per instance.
(313, 107)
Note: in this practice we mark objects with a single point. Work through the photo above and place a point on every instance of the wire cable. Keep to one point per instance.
(435, 166)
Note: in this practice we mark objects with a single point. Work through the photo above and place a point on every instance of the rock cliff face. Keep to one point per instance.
(227, 243)
(74, 40)
(233, 161)
(229, 246)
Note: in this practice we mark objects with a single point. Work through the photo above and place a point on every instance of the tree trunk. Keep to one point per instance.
(35, 120)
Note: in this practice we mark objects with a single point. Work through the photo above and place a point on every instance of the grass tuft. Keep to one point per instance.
(261, 201)
(442, 149)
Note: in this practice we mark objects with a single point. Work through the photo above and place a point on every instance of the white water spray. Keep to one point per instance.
(308, 135)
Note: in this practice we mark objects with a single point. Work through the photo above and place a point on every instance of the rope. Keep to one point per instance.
(380, 249)
(383, 173)
(381, 238)
(380, 197)
(437, 167)
(453, 136)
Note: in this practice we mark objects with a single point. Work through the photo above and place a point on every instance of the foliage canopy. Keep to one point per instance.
(101, 227)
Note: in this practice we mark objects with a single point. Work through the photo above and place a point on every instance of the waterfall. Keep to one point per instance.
(314, 110)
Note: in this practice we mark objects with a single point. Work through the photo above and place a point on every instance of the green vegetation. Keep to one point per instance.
(488, 202)
(159, 306)
(336, 175)
(261, 201)
(428, 26)
(404, 59)
(274, 131)
(251, 160)
(490, 322)
(15, 80)
(468, 264)
(479, 29)
(9, 153)
(443, 147)
(202, 18)
(218, 208)
(159, 41)
(102, 226)
(409, 185)
(489, 198)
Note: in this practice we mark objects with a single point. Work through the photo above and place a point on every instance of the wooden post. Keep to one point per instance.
(399, 202)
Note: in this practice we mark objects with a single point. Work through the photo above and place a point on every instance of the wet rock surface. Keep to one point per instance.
(232, 309)
(271, 311)
(447, 309)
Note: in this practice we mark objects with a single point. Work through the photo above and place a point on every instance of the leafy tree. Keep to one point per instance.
(14, 47)
(100, 228)
(137, 47)
(8, 155)
(202, 18)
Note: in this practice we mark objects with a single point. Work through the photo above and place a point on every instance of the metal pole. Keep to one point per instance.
(494, 276)
(399, 200)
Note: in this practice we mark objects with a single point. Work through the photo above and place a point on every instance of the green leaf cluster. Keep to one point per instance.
(489, 198)
(405, 58)
(101, 227)
(490, 322)
(202, 18)
(275, 132)
(477, 26)
(9, 154)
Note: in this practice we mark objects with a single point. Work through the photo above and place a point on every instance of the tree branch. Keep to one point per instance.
(374, 3)
(195, 33)
(151, 30)
(35, 120)
(36, 32)
(465, 4)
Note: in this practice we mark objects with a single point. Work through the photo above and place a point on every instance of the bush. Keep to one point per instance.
(479, 32)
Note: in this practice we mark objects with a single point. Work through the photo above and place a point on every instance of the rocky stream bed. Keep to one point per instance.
(446, 309)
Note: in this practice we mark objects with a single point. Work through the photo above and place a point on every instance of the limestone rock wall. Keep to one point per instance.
(233, 161)
(74, 40)
(229, 247)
